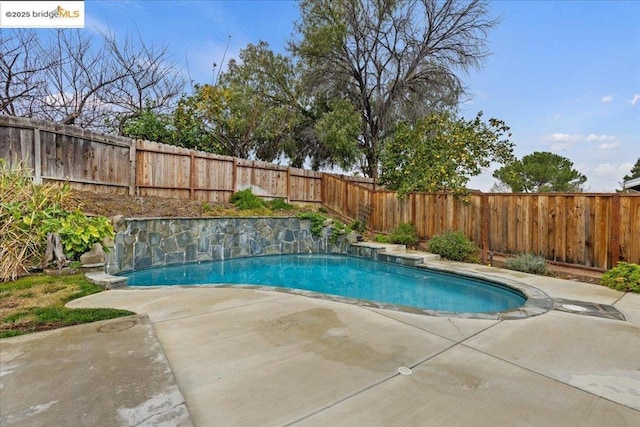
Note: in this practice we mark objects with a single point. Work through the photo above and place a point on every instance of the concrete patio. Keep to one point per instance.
(240, 357)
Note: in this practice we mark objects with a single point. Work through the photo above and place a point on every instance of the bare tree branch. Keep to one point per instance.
(72, 77)
(21, 71)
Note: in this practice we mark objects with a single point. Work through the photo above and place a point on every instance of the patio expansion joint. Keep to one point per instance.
(618, 300)
(540, 374)
(437, 317)
(392, 376)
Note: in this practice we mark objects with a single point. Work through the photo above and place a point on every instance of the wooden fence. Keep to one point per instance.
(103, 163)
(591, 230)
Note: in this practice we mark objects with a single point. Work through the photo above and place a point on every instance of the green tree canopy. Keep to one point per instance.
(393, 60)
(635, 171)
(258, 109)
(541, 172)
(441, 152)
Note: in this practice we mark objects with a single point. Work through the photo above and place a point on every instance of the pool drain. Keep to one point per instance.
(404, 370)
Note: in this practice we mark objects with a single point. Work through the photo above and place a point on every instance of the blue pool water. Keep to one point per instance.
(345, 276)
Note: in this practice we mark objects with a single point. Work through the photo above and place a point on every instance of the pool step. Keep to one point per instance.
(397, 253)
(106, 280)
(386, 247)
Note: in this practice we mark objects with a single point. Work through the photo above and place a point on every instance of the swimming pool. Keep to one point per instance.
(343, 276)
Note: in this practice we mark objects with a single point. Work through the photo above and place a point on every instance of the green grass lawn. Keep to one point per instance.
(36, 303)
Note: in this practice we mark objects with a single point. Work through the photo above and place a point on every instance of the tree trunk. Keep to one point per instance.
(54, 252)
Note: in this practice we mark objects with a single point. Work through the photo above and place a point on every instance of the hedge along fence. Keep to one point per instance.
(105, 163)
(589, 230)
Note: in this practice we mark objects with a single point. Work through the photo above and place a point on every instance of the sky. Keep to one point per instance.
(563, 75)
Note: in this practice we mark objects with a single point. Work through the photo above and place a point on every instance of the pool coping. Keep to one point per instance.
(537, 301)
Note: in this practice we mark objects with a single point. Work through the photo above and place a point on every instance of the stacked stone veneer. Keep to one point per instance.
(143, 243)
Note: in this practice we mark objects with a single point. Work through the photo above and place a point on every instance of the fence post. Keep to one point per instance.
(234, 175)
(288, 184)
(133, 167)
(37, 154)
(412, 206)
(192, 176)
(485, 226)
(615, 230)
(345, 200)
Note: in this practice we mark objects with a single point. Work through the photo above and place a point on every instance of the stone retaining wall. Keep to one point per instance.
(143, 243)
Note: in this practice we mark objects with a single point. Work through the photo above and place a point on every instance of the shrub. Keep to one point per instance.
(404, 234)
(23, 207)
(28, 211)
(79, 232)
(246, 200)
(338, 228)
(455, 246)
(381, 238)
(623, 277)
(528, 263)
(279, 205)
(317, 220)
(358, 226)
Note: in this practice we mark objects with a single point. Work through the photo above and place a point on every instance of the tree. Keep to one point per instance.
(635, 171)
(22, 64)
(541, 172)
(152, 81)
(74, 78)
(258, 109)
(441, 152)
(292, 122)
(394, 60)
(151, 126)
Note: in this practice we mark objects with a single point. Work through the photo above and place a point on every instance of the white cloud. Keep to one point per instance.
(600, 138)
(563, 137)
(609, 171)
(611, 146)
(562, 141)
(635, 99)
(607, 98)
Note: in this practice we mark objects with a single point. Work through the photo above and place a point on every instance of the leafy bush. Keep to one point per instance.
(79, 232)
(455, 246)
(404, 234)
(338, 229)
(245, 200)
(358, 226)
(381, 238)
(28, 211)
(317, 220)
(317, 224)
(23, 207)
(279, 205)
(206, 207)
(528, 263)
(623, 277)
